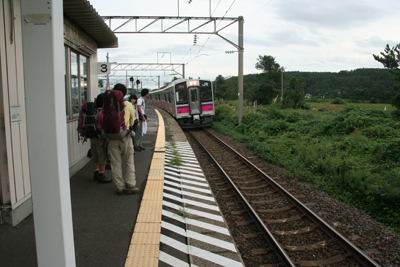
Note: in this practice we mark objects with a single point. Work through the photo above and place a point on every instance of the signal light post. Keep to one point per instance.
(137, 83)
(131, 79)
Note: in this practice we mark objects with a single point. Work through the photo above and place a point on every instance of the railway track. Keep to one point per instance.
(280, 230)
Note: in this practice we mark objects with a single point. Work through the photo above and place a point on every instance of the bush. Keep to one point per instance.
(337, 101)
(353, 154)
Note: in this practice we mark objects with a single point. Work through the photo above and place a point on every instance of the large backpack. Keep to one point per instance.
(87, 122)
(114, 115)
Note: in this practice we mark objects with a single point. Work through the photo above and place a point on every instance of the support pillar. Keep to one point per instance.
(43, 50)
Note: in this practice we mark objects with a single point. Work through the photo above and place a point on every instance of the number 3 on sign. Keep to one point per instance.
(104, 67)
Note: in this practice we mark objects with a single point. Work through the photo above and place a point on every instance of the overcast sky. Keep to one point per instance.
(302, 35)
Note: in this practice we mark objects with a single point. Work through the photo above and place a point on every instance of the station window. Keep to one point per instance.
(76, 81)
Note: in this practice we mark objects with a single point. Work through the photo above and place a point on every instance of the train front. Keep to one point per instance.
(195, 103)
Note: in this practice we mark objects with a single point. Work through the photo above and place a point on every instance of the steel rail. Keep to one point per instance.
(359, 255)
(270, 237)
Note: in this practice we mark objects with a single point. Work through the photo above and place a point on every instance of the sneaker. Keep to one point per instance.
(120, 191)
(96, 176)
(103, 178)
(142, 148)
(136, 148)
(131, 190)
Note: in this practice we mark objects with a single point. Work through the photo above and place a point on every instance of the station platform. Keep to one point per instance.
(173, 220)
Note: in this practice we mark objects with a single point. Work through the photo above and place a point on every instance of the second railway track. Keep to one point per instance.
(279, 230)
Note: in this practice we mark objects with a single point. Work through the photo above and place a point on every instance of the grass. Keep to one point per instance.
(350, 151)
(182, 212)
(326, 103)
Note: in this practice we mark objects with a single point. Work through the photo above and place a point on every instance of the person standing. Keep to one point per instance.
(99, 156)
(135, 128)
(127, 183)
(141, 107)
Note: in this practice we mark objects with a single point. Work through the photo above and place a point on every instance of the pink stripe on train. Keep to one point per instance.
(181, 110)
(207, 107)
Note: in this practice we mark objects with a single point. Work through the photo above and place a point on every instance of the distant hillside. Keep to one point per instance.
(358, 85)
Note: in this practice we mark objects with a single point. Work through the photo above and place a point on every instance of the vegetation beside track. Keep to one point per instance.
(350, 151)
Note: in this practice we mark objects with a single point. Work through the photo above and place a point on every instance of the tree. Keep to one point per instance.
(271, 69)
(294, 94)
(391, 60)
(219, 87)
(266, 92)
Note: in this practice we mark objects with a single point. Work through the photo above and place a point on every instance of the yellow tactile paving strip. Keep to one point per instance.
(145, 242)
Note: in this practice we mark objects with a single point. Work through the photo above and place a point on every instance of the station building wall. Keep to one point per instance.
(80, 84)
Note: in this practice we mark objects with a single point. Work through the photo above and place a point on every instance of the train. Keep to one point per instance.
(189, 101)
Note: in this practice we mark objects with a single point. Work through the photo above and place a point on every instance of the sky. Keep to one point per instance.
(302, 35)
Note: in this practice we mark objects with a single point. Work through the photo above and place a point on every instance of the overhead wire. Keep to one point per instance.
(247, 19)
(213, 48)
(201, 48)
(199, 37)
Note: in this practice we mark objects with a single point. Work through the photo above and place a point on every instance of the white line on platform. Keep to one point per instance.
(198, 196)
(211, 240)
(174, 243)
(200, 224)
(168, 259)
(209, 256)
(198, 173)
(177, 184)
(200, 253)
(186, 181)
(194, 211)
(192, 202)
(198, 236)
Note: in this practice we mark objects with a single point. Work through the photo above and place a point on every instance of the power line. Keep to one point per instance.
(229, 34)
(201, 48)
(259, 10)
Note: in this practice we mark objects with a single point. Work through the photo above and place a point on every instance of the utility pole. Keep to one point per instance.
(240, 72)
(108, 76)
(282, 85)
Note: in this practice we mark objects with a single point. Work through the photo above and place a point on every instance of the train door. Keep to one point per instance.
(194, 103)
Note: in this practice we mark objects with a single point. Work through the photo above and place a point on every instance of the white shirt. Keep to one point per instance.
(140, 102)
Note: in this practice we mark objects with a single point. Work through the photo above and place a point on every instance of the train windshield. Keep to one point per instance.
(181, 93)
(205, 91)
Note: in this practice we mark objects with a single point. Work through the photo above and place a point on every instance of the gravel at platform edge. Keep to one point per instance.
(374, 238)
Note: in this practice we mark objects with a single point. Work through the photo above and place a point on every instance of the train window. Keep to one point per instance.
(181, 93)
(205, 91)
(193, 96)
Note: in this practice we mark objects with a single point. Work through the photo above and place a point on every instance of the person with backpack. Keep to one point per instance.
(141, 106)
(118, 117)
(89, 127)
(99, 156)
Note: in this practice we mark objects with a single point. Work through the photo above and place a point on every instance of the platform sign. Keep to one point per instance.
(104, 67)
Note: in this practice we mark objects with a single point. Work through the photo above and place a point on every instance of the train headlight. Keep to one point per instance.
(192, 83)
